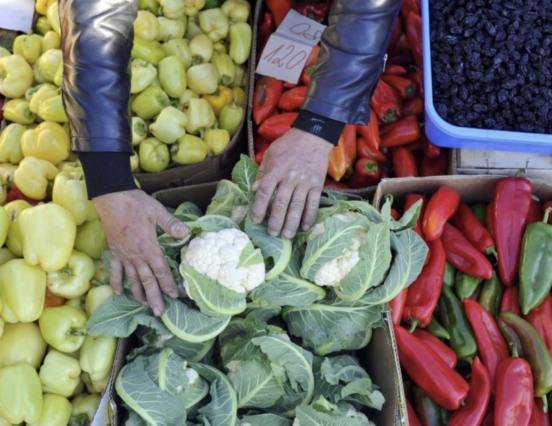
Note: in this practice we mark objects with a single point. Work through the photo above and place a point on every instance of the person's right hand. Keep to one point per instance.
(129, 219)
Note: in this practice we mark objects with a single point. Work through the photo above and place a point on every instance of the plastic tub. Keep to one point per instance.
(447, 135)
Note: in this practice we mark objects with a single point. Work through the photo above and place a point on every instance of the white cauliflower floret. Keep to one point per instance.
(217, 255)
(354, 414)
(192, 375)
(238, 213)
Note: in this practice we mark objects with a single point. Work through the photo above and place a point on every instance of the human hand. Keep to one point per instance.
(129, 219)
(296, 165)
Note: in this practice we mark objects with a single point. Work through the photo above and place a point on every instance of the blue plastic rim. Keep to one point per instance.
(447, 135)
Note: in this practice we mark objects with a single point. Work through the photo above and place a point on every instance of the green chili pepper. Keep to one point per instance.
(491, 295)
(462, 339)
(429, 412)
(449, 277)
(535, 274)
(480, 211)
(465, 285)
(533, 350)
(437, 329)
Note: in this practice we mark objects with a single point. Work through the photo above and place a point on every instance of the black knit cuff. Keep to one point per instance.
(107, 172)
(318, 125)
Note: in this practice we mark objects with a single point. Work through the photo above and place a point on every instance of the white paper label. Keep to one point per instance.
(288, 49)
(17, 15)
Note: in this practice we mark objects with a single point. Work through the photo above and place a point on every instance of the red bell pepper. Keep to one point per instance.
(414, 148)
(365, 174)
(430, 149)
(265, 99)
(415, 106)
(396, 33)
(410, 6)
(291, 100)
(463, 255)
(412, 417)
(536, 213)
(414, 35)
(424, 293)
(306, 75)
(370, 133)
(440, 348)
(401, 55)
(265, 30)
(405, 88)
(492, 346)
(476, 404)
(489, 417)
(434, 166)
(511, 205)
(397, 306)
(277, 126)
(409, 201)
(259, 157)
(391, 69)
(401, 132)
(279, 9)
(395, 214)
(386, 102)
(514, 393)
(489, 217)
(342, 156)
(317, 12)
(260, 143)
(365, 149)
(538, 416)
(404, 164)
(441, 207)
(332, 184)
(510, 301)
(442, 384)
(313, 57)
(15, 194)
(418, 77)
(541, 319)
(468, 224)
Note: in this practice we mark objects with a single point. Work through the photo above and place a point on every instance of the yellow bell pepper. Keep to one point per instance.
(58, 76)
(3, 192)
(240, 98)
(5, 256)
(44, 92)
(146, 25)
(2, 324)
(192, 7)
(91, 239)
(185, 98)
(52, 109)
(95, 386)
(96, 356)
(139, 130)
(169, 125)
(236, 10)
(193, 27)
(32, 90)
(149, 5)
(217, 140)
(16, 76)
(214, 23)
(77, 303)
(17, 110)
(225, 68)
(142, 75)
(150, 103)
(101, 276)
(200, 116)
(22, 343)
(218, 100)
(241, 76)
(134, 162)
(10, 144)
(172, 9)
(49, 233)
(53, 17)
(73, 280)
(4, 422)
(169, 29)
(96, 297)
(20, 394)
(68, 166)
(231, 118)
(59, 374)
(220, 47)
(4, 225)
(42, 26)
(70, 193)
(241, 37)
(33, 176)
(56, 411)
(48, 63)
(63, 328)
(6, 173)
(47, 142)
(154, 155)
(201, 47)
(189, 150)
(147, 51)
(14, 241)
(29, 46)
(4, 52)
(43, 5)
(203, 79)
(22, 289)
(84, 408)
(37, 74)
(178, 47)
(51, 40)
(172, 76)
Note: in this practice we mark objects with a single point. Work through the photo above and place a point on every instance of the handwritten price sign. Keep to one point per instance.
(289, 47)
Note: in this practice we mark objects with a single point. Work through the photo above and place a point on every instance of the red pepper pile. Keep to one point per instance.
(394, 143)
(486, 364)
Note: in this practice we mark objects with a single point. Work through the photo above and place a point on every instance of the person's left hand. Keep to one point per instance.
(295, 166)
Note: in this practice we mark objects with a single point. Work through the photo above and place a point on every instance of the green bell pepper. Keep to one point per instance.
(236, 10)
(52, 109)
(241, 37)
(465, 285)
(150, 103)
(154, 156)
(22, 343)
(203, 79)
(56, 411)
(70, 193)
(139, 130)
(5, 256)
(53, 17)
(48, 64)
(178, 47)
(193, 27)
(169, 125)
(217, 140)
(51, 40)
(59, 374)
(172, 76)
(214, 23)
(63, 328)
(147, 51)
(91, 239)
(58, 76)
(146, 25)
(192, 7)
(200, 116)
(189, 150)
(184, 100)
(101, 276)
(10, 143)
(201, 48)
(42, 26)
(18, 111)
(491, 295)
(149, 5)
(142, 75)
(48, 141)
(37, 75)
(240, 80)
(170, 29)
(225, 68)
(239, 96)
(45, 91)
(73, 280)
(231, 117)
(96, 356)
(16, 76)
(20, 394)
(96, 297)
(172, 9)
(220, 47)
(84, 409)
(29, 46)
(4, 52)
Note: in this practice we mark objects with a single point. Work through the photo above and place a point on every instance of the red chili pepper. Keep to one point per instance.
(468, 224)
(366, 150)
(401, 55)
(489, 417)
(397, 306)
(409, 201)
(434, 166)
(404, 164)
(414, 35)
(279, 9)
(492, 346)
(510, 301)
(260, 143)
(395, 214)
(277, 126)
(473, 411)
(401, 132)
(414, 148)
(366, 173)
(418, 77)
(266, 29)
(259, 157)
(306, 75)
(538, 415)
(441, 207)
(405, 88)
(440, 348)
(412, 417)
(386, 102)
(415, 106)
(317, 12)
(430, 149)
(442, 384)
(489, 218)
(424, 293)
(16, 194)
(514, 393)
(391, 69)
(395, 34)
(265, 99)
(313, 57)
(410, 6)
(547, 206)
(291, 100)
(403, 42)
(536, 213)
(370, 132)
(541, 319)
(511, 204)
(332, 184)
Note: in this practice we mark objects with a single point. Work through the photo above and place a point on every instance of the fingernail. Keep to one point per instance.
(256, 219)
(288, 235)
(118, 292)
(174, 294)
(305, 228)
(272, 233)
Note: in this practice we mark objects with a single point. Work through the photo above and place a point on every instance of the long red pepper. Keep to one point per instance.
(510, 301)
(277, 126)
(511, 204)
(404, 163)
(514, 393)
(489, 217)
(538, 416)
(391, 69)
(468, 224)
(279, 9)
(441, 383)
(412, 417)
(473, 411)
(536, 214)
(370, 133)
(332, 184)
(396, 33)
(424, 293)
(386, 102)
(265, 98)
(440, 348)
(414, 35)
(366, 149)
(415, 107)
(366, 173)
(541, 319)
(489, 417)
(441, 207)
(292, 100)
(463, 255)
(409, 201)
(406, 88)
(410, 6)
(418, 77)
(401, 132)
(397, 306)
(492, 346)
(437, 166)
(430, 149)
(265, 30)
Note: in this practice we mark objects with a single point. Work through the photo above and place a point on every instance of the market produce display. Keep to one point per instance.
(483, 298)
(394, 143)
(264, 330)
